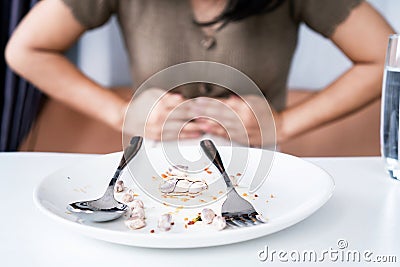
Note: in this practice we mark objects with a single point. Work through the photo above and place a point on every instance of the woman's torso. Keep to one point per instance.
(159, 34)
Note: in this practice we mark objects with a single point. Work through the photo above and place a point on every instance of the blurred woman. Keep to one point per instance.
(257, 37)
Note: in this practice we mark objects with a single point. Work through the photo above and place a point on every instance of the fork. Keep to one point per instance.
(237, 211)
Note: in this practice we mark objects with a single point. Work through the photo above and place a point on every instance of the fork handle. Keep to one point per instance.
(213, 154)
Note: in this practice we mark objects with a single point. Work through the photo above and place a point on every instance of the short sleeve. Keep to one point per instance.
(323, 16)
(92, 13)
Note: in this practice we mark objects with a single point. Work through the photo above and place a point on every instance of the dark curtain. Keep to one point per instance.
(19, 100)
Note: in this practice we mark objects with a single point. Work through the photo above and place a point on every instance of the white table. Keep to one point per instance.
(364, 211)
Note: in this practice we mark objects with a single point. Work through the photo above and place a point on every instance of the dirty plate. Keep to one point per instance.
(293, 190)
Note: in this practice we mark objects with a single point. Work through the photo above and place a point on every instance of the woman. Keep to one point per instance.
(257, 37)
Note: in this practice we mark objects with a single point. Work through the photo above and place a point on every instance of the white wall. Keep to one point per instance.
(102, 55)
(317, 62)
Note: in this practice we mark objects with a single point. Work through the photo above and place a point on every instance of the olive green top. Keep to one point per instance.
(159, 34)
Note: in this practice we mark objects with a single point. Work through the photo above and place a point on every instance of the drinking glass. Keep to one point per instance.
(390, 108)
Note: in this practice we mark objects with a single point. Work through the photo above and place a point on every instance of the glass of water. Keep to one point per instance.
(390, 108)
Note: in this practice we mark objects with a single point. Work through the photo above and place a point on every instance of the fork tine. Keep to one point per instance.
(256, 217)
(250, 220)
(237, 221)
(246, 220)
(230, 223)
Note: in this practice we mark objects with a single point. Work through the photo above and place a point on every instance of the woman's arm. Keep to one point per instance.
(363, 37)
(35, 51)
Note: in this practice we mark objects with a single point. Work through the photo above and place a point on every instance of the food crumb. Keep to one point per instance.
(165, 222)
(119, 186)
(127, 198)
(255, 195)
(190, 222)
(209, 172)
(245, 194)
(238, 174)
(214, 198)
(164, 175)
(272, 196)
(198, 218)
(152, 231)
(172, 223)
(165, 204)
(186, 226)
(202, 201)
(266, 201)
(186, 219)
(205, 169)
(220, 192)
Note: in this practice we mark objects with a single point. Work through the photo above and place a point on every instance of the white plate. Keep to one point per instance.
(293, 190)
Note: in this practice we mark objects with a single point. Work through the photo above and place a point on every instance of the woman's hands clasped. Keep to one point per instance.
(248, 120)
(160, 115)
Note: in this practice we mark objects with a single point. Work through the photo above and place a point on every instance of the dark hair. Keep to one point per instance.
(239, 9)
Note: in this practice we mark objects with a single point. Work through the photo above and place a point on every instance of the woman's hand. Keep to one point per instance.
(247, 121)
(160, 115)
